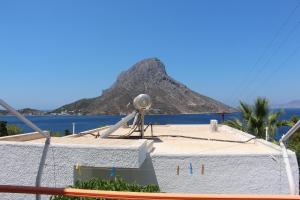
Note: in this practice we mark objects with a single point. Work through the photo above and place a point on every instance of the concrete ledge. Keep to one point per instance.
(244, 135)
(240, 134)
(88, 132)
(131, 156)
(22, 137)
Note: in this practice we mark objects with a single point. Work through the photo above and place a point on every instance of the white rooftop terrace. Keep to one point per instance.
(168, 139)
(178, 158)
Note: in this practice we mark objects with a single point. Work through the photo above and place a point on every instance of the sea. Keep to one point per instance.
(86, 122)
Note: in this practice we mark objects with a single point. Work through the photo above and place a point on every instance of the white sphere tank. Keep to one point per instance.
(142, 102)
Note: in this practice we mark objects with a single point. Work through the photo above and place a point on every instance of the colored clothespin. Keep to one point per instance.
(202, 169)
(113, 172)
(191, 168)
(177, 170)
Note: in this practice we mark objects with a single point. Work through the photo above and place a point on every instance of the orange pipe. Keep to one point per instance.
(136, 195)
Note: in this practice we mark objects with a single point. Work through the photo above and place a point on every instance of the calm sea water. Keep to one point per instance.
(61, 123)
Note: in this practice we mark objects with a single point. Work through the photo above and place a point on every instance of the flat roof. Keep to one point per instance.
(177, 139)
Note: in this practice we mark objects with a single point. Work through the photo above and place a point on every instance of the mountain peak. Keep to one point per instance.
(147, 76)
(144, 70)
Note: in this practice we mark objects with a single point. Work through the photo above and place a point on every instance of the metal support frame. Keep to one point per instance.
(118, 125)
(285, 156)
(142, 123)
(23, 119)
(46, 134)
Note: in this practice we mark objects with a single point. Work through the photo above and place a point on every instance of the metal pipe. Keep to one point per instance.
(23, 119)
(288, 169)
(290, 132)
(285, 156)
(118, 125)
(142, 123)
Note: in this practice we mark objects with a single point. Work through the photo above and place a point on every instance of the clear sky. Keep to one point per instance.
(56, 52)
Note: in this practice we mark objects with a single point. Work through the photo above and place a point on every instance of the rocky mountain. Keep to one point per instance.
(30, 111)
(147, 76)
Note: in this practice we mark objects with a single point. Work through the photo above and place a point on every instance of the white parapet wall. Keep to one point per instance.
(175, 164)
(223, 174)
(20, 162)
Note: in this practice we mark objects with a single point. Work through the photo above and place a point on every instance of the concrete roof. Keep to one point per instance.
(177, 140)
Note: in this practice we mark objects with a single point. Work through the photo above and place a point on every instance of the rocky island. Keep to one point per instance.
(25, 111)
(147, 76)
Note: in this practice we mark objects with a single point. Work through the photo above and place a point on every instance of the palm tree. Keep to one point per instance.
(256, 118)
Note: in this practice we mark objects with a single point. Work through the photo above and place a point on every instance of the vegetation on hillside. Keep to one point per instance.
(60, 134)
(116, 184)
(9, 129)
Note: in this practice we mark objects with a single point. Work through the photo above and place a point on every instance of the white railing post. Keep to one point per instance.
(73, 124)
(267, 133)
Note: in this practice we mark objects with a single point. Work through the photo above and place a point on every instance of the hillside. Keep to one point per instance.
(147, 76)
(291, 104)
(25, 111)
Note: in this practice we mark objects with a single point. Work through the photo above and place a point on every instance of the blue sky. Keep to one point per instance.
(56, 52)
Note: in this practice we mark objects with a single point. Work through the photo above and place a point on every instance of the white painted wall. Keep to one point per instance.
(231, 174)
(20, 162)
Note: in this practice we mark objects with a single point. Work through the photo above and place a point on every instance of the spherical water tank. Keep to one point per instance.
(142, 102)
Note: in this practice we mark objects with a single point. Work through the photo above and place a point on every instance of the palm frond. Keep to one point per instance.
(261, 108)
(245, 110)
(235, 123)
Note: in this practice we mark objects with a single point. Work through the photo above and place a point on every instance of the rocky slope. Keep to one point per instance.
(147, 76)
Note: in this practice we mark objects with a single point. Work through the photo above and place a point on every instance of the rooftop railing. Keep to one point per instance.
(23, 119)
(136, 195)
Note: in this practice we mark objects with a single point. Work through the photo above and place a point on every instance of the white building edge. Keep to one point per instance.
(179, 158)
(206, 159)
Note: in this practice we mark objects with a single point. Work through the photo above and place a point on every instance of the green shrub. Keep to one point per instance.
(56, 134)
(116, 184)
(3, 128)
(67, 132)
(13, 129)
(9, 129)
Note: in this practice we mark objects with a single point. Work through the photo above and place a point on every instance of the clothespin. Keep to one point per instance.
(177, 170)
(202, 169)
(78, 168)
(191, 169)
(113, 172)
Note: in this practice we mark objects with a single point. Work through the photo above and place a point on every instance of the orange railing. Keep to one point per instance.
(135, 195)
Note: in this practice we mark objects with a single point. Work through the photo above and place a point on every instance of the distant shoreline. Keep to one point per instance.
(146, 114)
(125, 114)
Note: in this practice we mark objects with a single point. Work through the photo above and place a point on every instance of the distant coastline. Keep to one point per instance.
(5, 113)
(35, 112)
(86, 122)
